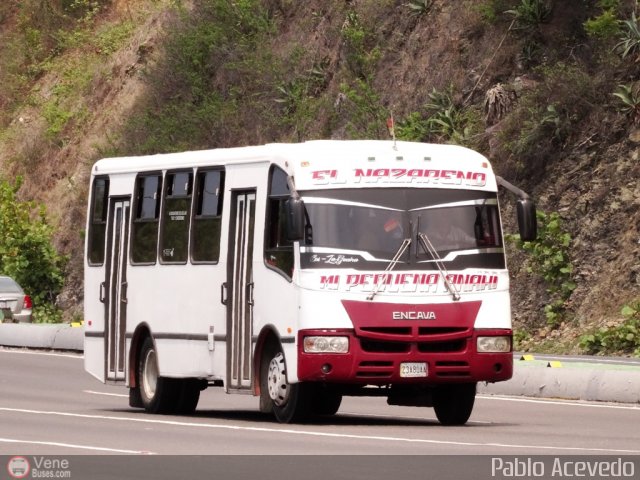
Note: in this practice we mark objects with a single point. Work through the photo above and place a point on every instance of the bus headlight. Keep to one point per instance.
(323, 344)
(494, 344)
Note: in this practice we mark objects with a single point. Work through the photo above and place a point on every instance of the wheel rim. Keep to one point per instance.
(277, 380)
(150, 373)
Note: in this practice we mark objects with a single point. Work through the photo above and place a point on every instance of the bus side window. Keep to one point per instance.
(98, 223)
(176, 215)
(144, 237)
(487, 227)
(278, 249)
(205, 232)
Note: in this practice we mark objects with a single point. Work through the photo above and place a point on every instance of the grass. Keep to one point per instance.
(56, 40)
(184, 109)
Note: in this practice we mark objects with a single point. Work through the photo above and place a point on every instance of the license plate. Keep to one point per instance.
(413, 369)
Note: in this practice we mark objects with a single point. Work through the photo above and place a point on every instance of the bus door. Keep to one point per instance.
(240, 290)
(113, 292)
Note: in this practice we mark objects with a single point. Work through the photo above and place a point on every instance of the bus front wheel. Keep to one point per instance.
(325, 401)
(290, 402)
(453, 403)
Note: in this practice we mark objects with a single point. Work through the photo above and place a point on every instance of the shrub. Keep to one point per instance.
(519, 337)
(300, 97)
(219, 42)
(609, 4)
(442, 121)
(491, 10)
(624, 338)
(43, 31)
(26, 251)
(109, 39)
(630, 41)
(605, 25)
(362, 53)
(629, 96)
(83, 9)
(550, 253)
(48, 28)
(531, 13)
(366, 114)
(414, 128)
(550, 114)
(550, 259)
(419, 7)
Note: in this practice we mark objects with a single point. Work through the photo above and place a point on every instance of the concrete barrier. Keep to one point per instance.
(44, 336)
(574, 381)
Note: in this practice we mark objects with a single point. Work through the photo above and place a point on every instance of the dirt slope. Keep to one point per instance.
(584, 165)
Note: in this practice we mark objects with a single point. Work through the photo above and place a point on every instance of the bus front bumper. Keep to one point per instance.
(376, 362)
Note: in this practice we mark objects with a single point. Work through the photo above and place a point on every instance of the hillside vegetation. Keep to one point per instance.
(548, 90)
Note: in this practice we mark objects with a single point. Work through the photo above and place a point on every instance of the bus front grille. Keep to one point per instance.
(382, 346)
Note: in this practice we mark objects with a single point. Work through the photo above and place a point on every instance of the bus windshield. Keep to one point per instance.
(364, 228)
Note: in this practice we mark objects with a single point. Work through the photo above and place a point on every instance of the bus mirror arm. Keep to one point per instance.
(526, 211)
(308, 229)
(292, 188)
(512, 188)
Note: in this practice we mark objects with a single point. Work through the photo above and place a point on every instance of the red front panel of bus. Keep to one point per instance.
(386, 335)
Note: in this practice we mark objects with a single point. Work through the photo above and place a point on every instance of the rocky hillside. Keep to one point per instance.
(546, 89)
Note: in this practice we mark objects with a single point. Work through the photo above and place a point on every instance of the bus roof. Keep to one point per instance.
(329, 164)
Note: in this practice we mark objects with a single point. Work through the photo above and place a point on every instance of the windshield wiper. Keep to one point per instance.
(396, 258)
(430, 249)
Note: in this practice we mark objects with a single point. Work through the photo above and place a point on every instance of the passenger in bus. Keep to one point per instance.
(379, 232)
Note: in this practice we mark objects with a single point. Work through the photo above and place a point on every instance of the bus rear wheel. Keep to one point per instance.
(188, 396)
(453, 404)
(290, 402)
(158, 394)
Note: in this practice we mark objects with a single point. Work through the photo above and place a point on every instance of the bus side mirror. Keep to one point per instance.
(294, 208)
(527, 222)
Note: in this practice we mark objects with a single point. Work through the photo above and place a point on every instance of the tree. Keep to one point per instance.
(26, 251)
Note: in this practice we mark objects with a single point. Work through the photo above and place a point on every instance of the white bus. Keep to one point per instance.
(300, 273)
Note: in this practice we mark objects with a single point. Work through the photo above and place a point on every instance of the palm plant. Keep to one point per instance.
(630, 42)
(630, 98)
(531, 13)
(419, 7)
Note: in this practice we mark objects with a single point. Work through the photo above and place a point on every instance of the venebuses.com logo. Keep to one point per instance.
(38, 467)
(18, 467)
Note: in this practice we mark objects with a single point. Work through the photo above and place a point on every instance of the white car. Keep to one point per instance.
(15, 305)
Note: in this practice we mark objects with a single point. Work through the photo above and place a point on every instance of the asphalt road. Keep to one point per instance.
(50, 406)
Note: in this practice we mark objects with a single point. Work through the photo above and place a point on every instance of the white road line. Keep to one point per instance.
(507, 399)
(34, 352)
(92, 392)
(71, 445)
(318, 434)
(483, 397)
(559, 402)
